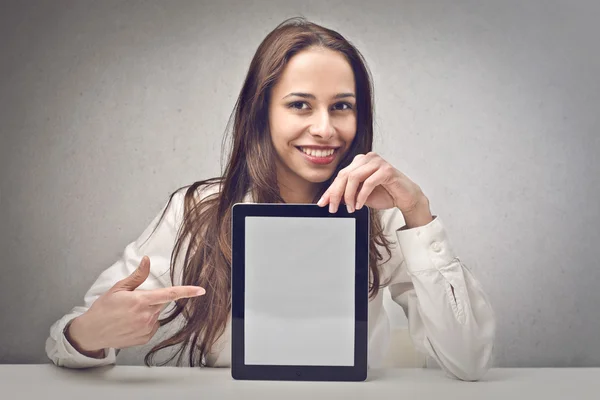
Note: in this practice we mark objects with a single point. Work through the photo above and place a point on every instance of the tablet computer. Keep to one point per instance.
(300, 283)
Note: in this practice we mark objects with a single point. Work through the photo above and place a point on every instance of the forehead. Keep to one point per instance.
(316, 70)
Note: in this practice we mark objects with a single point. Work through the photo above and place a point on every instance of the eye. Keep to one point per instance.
(348, 105)
(295, 104)
(298, 106)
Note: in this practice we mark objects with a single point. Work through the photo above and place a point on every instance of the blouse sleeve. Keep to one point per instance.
(449, 314)
(157, 247)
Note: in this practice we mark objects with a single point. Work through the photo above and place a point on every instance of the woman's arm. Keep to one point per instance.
(158, 248)
(449, 314)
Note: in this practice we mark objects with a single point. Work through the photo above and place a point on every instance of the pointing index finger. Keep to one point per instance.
(167, 295)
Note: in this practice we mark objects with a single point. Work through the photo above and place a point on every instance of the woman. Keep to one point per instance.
(302, 133)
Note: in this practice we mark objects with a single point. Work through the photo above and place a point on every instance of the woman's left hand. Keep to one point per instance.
(372, 181)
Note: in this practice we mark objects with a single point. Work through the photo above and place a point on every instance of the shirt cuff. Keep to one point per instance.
(65, 347)
(426, 247)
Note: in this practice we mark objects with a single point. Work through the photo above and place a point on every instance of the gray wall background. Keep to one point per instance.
(490, 106)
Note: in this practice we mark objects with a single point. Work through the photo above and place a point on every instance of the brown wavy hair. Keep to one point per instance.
(205, 233)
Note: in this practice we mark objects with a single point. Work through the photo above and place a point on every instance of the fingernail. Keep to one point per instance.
(331, 208)
(200, 291)
(349, 208)
(320, 201)
(358, 206)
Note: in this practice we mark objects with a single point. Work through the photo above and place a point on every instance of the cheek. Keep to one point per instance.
(284, 131)
(348, 130)
(282, 138)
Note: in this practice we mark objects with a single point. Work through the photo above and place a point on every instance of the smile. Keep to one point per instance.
(319, 156)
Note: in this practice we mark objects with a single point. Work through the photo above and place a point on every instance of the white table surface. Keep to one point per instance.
(137, 382)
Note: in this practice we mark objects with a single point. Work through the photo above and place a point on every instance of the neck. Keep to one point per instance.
(294, 189)
(297, 195)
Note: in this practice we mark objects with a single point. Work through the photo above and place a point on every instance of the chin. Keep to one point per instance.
(317, 177)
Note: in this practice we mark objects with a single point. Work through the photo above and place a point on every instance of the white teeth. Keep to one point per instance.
(318, 153)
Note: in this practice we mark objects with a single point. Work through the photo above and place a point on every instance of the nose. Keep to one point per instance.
(322, 126)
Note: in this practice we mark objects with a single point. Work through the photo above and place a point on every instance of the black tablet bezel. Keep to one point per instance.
(239, 370)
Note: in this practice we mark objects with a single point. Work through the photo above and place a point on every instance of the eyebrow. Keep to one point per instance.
(310, 96)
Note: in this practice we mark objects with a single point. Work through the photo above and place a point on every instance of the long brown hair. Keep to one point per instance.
(205, 233)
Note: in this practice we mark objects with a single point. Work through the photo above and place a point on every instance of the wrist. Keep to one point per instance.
(419, 215)
(75, 333)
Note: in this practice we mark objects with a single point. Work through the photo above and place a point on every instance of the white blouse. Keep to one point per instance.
(457, 330)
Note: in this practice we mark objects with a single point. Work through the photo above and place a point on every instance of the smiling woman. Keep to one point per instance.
(302, 133)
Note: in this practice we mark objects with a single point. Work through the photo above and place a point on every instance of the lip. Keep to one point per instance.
(319, 160)
(319, 147)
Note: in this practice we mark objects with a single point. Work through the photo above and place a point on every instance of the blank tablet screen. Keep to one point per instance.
(299, 291)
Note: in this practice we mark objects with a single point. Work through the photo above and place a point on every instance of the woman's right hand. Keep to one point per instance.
(124, 317)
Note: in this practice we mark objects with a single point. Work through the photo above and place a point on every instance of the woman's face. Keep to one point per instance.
(312, 116)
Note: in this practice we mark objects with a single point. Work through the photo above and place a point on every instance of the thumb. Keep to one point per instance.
(136, 278)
